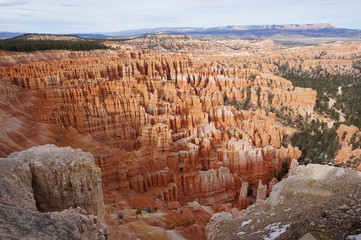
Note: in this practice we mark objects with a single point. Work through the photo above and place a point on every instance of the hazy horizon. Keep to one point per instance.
(144, 29)
(65, 16)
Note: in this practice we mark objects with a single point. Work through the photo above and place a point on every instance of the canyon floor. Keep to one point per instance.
(181, 128)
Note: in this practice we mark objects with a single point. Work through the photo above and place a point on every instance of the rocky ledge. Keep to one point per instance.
(49, 192)
(318, 200)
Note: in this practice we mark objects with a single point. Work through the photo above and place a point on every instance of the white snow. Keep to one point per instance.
(354, 237)
(246, 222)
(286, 210)
(276, 230)
(339, 90)
(240, 233)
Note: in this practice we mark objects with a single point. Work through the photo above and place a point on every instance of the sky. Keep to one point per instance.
(100, 16)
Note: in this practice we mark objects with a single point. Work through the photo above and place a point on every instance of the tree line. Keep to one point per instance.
(41, 45)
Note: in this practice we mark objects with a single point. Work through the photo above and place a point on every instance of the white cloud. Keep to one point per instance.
(67, 16)
(12, 2)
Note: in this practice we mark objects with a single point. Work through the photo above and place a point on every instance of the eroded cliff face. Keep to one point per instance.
(164, 128)
(49, 192)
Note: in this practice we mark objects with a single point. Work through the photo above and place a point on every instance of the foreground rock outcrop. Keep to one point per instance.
(49, 192)
(321, 200)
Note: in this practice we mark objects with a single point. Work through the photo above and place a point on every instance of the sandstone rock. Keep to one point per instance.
(174, 205)
(293, 167)
(242, 199)
(138, 101)
(207, 186)
(163, 124)
(308, 236)
(62, 178)
(271, 184)
(49, 179)
(347, 152)
(261, 191)
(313, 195)
(16, 184)
(19, 223)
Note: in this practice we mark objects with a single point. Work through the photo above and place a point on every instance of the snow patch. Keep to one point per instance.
(246, 222)
(339, 90)
(276, 230)
(240, 233)
(354, 237)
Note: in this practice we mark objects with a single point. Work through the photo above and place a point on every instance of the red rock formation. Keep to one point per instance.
(167, 126)
(348, 136)
(261, 191)
(293, 167)
(168, 108)
(242, 198)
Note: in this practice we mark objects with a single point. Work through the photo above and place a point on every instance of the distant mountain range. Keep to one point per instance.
(243, 31)
(222, 29)
(253, 31)
(10, 34)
